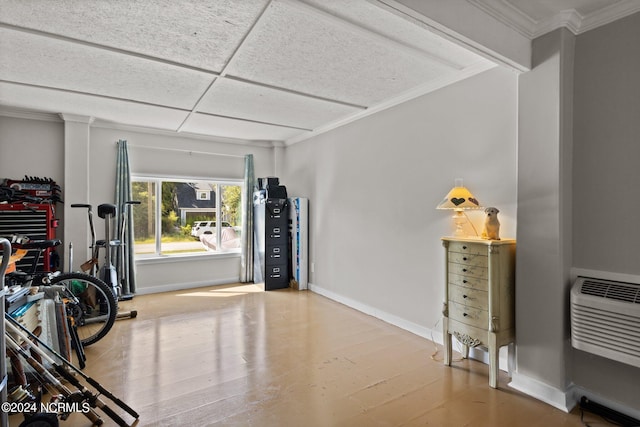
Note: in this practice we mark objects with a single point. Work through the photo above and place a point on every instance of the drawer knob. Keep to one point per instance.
(464, 247)
(464, 259)
(464, 269)
(465, 314)
(464, 281)
(464, 296)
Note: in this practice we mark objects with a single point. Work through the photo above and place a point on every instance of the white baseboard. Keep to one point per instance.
(182, 286)
(422, 331)
(563, 400)
(379, 314)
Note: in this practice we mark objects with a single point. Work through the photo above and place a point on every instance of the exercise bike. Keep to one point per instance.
(107, 272)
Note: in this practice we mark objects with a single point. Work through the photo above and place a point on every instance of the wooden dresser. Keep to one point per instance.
(479, 296)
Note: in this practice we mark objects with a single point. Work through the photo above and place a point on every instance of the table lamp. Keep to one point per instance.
(460, 199)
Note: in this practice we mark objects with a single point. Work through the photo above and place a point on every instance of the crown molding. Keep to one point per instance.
(29, 115)
(609, 14)
(77, 118)
(164, 132)
(510, 15)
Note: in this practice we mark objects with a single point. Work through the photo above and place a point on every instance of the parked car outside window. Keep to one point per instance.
(205, 227)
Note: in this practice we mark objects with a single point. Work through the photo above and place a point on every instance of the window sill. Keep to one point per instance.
(161, 259)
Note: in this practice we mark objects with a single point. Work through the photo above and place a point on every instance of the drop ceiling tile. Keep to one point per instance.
(252, 102)
(311, 53)
(231, 128)
(37, 60)
(194, 32)
(55, 101)
(371, 16)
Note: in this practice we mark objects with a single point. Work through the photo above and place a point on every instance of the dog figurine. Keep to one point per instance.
(491, 224)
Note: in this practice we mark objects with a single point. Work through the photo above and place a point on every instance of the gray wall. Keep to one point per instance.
(373, 186)
(543, 257)
(578, 149)
(606, 178)
(607, 151)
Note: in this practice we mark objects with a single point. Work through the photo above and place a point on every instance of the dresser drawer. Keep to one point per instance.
(468, 270)
(479, 283)
(469, 297)
(467, 248)
(469, 315)
(468, 259)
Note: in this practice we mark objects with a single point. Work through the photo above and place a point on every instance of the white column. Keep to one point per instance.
(76, 187)
(278, 157)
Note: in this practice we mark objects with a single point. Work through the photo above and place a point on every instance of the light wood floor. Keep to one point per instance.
(238, 356)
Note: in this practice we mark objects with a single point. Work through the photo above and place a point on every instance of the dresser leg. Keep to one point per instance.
(493, 360)
(446, 338)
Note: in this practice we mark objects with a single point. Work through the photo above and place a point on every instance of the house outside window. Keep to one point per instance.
(180, 216)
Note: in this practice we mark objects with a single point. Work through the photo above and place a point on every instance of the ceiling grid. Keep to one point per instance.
(256, 70)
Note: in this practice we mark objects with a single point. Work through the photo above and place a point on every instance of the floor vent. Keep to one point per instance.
(605, 319)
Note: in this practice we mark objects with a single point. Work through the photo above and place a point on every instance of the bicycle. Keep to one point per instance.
(90, 305)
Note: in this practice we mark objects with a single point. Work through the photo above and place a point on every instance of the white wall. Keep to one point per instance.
(167, 274)
(31, 147)
(35, 146)
(373, 186)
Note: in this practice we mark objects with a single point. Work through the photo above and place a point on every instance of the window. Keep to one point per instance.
(186, 213)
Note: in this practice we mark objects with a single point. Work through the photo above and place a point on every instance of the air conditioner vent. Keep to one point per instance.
(605, 319)
(613, 290)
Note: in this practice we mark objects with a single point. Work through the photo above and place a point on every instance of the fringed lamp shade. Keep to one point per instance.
(459, 198)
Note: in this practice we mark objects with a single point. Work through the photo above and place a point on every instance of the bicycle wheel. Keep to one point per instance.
(90, 303)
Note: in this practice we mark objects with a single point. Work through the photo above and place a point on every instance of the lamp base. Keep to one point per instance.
(459, 219)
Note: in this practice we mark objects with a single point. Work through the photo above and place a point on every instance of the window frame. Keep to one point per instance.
(157, 180)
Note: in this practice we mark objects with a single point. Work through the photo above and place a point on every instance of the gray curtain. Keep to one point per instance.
(124, 261)
(246, 257)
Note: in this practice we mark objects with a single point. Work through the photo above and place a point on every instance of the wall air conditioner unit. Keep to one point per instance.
(605, 319)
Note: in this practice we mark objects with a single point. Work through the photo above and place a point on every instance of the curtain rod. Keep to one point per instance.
(190, 152)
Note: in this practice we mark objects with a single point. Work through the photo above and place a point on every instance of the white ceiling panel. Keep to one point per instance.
(258, 70)
(295, 48)
(230, 128)
(56, 101)
(43, 61)
(400, 29)
(200, 33)
(263, 104)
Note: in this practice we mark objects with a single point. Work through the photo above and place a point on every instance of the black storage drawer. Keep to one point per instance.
(276, 270)
(276, 254)
(281, 240)
(277, 282)
(276, 209)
